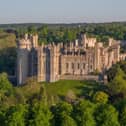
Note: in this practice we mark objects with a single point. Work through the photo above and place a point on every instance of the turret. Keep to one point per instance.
(54, 63)
(110, 41)
(24, 47)
(34, 40)
(88, 42)
(24, 43)
(97, 62)
(41, 76)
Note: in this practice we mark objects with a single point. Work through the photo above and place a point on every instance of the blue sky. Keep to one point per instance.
(62, 11)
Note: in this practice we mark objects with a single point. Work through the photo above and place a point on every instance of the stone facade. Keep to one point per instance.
(51, 62)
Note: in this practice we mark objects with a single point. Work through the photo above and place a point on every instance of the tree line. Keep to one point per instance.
(106, 107)
(68, 33)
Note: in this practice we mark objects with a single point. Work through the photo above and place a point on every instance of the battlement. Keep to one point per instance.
(49, 62)
(28, 42)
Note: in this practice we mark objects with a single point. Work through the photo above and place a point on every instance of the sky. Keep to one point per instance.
(62, 11)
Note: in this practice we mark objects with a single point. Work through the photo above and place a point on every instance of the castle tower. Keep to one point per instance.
(88, 42)
(34, 40)
(117, 51)
(110, 42)
(23, 49)
(97, 62)
(54, 63)
(83, 37)
(41, 64)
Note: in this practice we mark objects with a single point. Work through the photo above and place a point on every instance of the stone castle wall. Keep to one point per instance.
(53, 62)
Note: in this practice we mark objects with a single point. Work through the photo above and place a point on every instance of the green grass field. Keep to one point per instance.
(58, 90)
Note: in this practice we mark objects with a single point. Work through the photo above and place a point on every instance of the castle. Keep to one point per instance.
(53, 61)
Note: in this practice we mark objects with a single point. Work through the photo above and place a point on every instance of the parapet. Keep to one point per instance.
(23, 44)
(99, 44)
(28, 41)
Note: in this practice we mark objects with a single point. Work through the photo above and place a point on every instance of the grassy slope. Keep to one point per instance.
(59, 90)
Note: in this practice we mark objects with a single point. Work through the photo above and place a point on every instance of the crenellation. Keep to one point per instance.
(53, 61)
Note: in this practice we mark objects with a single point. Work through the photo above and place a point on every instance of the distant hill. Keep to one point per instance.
(57, 25)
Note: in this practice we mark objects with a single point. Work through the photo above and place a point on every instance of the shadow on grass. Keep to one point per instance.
(91, 87)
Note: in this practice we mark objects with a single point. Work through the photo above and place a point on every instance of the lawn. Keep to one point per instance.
(58, 90)
(80, 88)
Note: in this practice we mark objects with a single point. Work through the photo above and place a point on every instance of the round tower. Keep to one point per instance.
(23, 49)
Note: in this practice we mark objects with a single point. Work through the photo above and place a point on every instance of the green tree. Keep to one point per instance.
(16, 115)
(39, 115)
(2, 116)
(6, 88)
(111, 73)
(32, 30)
(62, 115)
(100, 97)
(84, 113)
(69, 35)
(118, 84)
(42, 96)
(43, 31)
(123, 116)
(106, 115)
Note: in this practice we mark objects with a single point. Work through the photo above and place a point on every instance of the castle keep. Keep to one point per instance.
(52, 62)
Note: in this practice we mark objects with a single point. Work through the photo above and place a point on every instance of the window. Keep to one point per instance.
(83, 65)
(72, 65)
(91, 67)
(78, 65)
(67, 65)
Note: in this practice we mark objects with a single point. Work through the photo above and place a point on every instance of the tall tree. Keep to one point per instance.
(62, 115)
(118, 84)
(106, 115)
(39, 115)
(84, 113)
(16, 116)
(6, 88)
(123, 116)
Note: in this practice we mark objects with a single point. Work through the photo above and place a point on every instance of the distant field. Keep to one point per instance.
(7, 40)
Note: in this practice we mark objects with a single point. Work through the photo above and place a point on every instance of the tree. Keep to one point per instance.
(32, 30)
(123, 116)
(2, 116)
(118, 84)
(16, 115)
(106, 115)
(69, 35)
(121, 106)
(68, 121)
(42, 95)
(100, 97)
(62, 115)
(111, 73)
(39, 115)
(84, 113)
(6, 88)
(43, 31)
